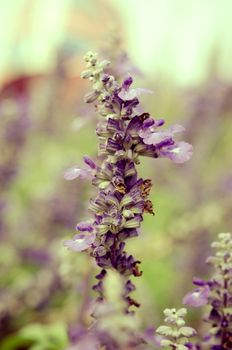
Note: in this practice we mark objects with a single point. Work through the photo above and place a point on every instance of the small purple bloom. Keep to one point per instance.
(127, 83)
(149, 126)
(127, 94)
(155, 137)
(163, 141)
(199, 282)
(179, 152)
(75, 172)
(148, 123)
(85, 227)
(198, 297)
(82, 173)
(80, 242)
(89, 162)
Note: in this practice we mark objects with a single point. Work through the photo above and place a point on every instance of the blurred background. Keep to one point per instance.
(182, 51)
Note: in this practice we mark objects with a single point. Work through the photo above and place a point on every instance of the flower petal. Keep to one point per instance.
(80, 242)
(88, 161)
(181, 152)
(130, 94)
(157, 137)
(198, 297)
(75, 172)
(176, 128)
(85, 227)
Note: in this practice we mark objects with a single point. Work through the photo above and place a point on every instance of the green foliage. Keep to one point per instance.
(38, 337)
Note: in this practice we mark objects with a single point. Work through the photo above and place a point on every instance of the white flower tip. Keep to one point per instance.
(72, 173)
(176, 128)
(182, 153)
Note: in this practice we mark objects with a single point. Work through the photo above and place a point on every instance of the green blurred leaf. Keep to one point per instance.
(38, 337)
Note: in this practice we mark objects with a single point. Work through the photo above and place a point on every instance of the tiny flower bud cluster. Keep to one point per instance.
(175, 334)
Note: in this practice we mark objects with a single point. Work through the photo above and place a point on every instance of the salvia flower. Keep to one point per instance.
(198, 297)
(175, 333)
(179, 152)
(84, 239)
(86, 172)
(123, 197)
(217, 293)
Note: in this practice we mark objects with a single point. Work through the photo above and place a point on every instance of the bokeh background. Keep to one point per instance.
(182, 51)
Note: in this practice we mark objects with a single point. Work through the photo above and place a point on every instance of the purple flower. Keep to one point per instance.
(127, 83)
(199, 282)
(75, 172)
(127, 94)
(165, 146)
(85, 227)
(155, 137)
(179, 152)
(88, 161)
(82, 173)
(133, 93)
(198, 297)
(80, 242)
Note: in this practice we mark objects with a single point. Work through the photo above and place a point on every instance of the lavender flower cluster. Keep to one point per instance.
(217, 294)
(125, 133)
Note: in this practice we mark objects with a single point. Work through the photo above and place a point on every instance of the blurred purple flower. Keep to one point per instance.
(82, 339)
(36, 255)
(198, 297)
